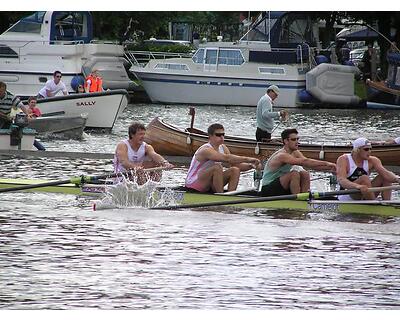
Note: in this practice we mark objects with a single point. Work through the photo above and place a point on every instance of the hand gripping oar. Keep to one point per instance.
(298, 196)
(76, 180)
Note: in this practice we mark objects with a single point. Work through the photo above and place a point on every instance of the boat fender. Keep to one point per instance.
(322, 154)
(188, 139)
(257, 149)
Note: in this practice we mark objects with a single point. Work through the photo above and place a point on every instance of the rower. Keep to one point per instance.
(206, 172)
(353, 170)
(283, 172)
(134, 154)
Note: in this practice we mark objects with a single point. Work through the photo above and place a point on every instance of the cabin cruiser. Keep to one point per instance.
(37, 45)
(274, 51)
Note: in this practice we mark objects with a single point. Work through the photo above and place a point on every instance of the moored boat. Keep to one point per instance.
(370, 207)
(170, 140)
(66, 127)
(102, 108)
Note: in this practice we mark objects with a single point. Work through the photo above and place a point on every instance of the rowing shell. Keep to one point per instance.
(369, 207)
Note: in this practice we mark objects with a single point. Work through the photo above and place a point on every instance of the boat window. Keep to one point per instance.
(7, 52)
(171, 66)
(198, 57)
(70, 25)
(211, 56)
(230, 57)
(31, 24)
(295, 30)
(270, 70)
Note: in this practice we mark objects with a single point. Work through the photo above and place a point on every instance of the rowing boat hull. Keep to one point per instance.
(358, 207)
(169, 140)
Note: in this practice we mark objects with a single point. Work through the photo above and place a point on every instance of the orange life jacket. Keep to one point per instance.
(96, 84)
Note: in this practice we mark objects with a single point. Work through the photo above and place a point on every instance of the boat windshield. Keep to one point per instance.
(30, 24)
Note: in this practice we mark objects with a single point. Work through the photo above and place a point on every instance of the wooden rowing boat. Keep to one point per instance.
(374, 207)
(170, 140)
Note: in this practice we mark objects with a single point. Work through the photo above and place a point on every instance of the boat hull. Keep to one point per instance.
(216, 90)
(102, 108)
(170, 140)
(382, 208)
(66, 127)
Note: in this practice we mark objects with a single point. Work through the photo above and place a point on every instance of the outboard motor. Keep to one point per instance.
(20, 122)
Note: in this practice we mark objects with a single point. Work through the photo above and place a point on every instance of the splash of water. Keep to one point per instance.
(127, 193)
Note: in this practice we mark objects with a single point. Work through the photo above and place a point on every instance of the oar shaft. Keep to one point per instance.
(76, 180)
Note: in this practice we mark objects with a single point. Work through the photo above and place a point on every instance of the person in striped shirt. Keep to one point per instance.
(7, 102)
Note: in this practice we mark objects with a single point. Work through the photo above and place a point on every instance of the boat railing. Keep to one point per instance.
(141, 58)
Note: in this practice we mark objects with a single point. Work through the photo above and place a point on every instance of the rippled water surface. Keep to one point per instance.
(56, 253)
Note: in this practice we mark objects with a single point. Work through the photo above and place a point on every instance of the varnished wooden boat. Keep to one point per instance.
(170, 140)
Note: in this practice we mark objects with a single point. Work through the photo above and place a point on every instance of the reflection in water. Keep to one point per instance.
(56, 253)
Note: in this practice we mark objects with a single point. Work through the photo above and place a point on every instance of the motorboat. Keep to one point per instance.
(46, 41)
(274, 51)
(102, 108)
(62, 127)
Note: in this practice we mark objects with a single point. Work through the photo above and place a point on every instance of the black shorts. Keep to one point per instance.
(262, 135)
(274, 189)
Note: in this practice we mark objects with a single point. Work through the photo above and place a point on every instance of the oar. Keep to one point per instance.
(75, 180)
(298, 196)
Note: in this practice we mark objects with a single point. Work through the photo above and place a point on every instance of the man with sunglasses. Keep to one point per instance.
(53, 86)
(353, 171)
(283, 173)
(206, 172)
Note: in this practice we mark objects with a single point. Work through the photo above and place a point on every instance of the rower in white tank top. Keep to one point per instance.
(353, 174)
(133, 156)
(196, 166)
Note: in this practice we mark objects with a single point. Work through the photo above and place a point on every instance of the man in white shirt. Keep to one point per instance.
(53, 86)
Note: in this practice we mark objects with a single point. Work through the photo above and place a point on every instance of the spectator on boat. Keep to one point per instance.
(53, 86)
(265, 115)
(369, 61)
(284, 174)
(206, 172)
(94, 83)
(33, 110)
(353, 170)
(134, 154)
(7, 102)
(80, 89)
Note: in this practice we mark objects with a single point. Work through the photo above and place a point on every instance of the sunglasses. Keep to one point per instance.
(219, 134)
(294, 139)
(367, 149)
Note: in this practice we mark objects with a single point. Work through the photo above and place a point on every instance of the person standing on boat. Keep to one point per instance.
(265, 114)
(135, 154)
(353, 171)
(283, 173)
(53, 86)
(7, 102)
(206, 172)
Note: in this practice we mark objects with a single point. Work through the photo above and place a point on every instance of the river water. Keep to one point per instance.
(56, 253)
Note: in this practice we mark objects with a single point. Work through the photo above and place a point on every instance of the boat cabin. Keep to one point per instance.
(52, 26)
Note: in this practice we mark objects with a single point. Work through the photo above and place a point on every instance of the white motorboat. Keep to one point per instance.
(222, 73)
(102, 108)
(37, 45)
